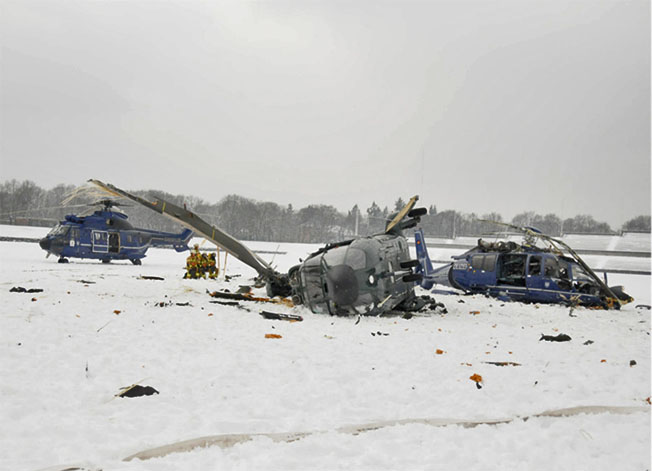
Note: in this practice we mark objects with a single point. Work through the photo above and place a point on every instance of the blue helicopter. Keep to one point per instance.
(106, 235)
(522, 272)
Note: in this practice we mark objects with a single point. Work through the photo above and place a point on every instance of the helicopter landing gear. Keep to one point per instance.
(106, 260)
(63, 260)
(136, 261)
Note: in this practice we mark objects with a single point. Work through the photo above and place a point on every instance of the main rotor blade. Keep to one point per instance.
(199, 226)
(402, 213)
(31, 210)
(580, 261)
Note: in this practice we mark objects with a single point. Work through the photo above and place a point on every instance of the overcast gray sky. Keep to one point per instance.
(478, 106)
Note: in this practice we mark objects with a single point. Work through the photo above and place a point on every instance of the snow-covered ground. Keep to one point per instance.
(65, 352)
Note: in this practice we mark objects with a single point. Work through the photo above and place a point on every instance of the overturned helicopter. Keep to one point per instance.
(522, 272)
(363, 276)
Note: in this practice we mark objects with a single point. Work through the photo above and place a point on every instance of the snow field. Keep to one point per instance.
(66, 354)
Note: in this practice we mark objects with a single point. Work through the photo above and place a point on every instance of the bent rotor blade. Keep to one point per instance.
(402, 213)
(607, 291)
(199, 226)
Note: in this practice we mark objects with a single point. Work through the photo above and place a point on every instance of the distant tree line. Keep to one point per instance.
(24, 202)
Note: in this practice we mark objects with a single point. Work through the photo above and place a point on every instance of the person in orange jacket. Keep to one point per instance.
(212, 268)
(192, 263)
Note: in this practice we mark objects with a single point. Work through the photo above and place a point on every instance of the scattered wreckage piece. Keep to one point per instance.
(248, 296)
(502, 363)
(555, 338)
(136, 390)
(20, 289)
(149, 277)
(281, 316)
(170, 303)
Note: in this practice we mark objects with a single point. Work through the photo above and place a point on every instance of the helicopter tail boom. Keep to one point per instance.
(431, 276)
(178, 242)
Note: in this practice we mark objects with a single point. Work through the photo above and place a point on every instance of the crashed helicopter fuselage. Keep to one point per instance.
(522, 272)
(363, 276)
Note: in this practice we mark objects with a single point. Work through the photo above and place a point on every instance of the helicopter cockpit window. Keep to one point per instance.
(335, 256)
(551, 267)
(563, 270)
(579, 274)
(59, 230)
(554, 268)
(356, 258)
(485, 262)
(476, 262)
(534, 265)
(489, 262)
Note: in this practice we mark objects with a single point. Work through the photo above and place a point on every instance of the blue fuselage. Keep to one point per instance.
(512, 272)
(531, 277)
(106, 235)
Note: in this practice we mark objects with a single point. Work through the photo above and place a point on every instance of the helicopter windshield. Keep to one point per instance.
(335, 282)
(59, 230)
(354, 257)
(579, 274)
(334, 256)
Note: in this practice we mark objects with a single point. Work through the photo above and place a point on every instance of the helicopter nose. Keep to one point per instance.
(342, 284)
(45, 243)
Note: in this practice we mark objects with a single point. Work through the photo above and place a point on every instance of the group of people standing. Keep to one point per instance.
(199, 265)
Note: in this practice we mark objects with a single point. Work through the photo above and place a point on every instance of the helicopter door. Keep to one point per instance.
(100, 241)
(114, 242)
(540, 288)
(74, 237)
(483, 269)
(555, 272)
(512, 270)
